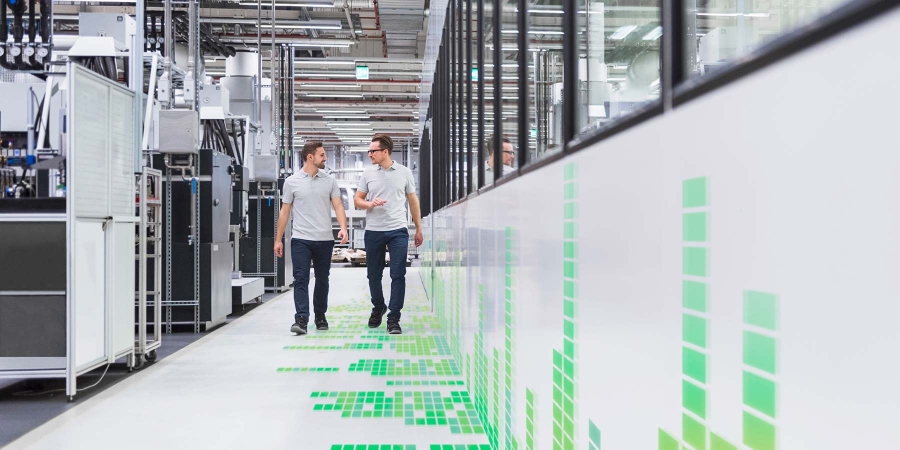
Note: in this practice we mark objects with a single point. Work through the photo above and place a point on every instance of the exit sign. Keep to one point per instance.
(474, 74)
(362, 72)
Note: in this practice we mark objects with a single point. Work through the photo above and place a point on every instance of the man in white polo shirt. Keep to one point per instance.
(308, 197)
(383, 192)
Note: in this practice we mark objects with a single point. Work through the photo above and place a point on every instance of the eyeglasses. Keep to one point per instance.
(376, 150)
(510, 152)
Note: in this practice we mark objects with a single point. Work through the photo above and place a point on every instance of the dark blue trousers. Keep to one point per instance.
(396, 242)
(319, 253)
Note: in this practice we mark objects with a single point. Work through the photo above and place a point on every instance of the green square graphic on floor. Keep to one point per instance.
(455, 411)
(407, 367)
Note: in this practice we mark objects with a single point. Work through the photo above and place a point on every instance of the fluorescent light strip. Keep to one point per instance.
(331, 75)
(325, 61)
(622, 32)
(305, 27)
(299, 5)
(330, 111)
(533, 32)
(334, 95)
(330, 85)
(653, 35)
(310, 44)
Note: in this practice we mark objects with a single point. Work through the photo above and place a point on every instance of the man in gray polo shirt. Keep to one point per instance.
(307, 198)
(383, 192)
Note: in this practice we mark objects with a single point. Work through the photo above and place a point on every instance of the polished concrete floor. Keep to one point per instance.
(253, 384)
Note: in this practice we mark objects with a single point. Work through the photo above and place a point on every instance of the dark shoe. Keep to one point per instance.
(321, 323)
(299, 328)
(393, 327)
(375, 318)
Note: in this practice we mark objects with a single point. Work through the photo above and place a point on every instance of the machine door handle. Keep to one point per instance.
(216, 202)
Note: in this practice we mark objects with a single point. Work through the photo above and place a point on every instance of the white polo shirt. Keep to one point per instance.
(391, 185)
(310, 200)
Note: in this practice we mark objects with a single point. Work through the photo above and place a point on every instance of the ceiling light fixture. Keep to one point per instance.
(653, 35)
(622, 32)
(330, 85)
(325, 61)
(309, 94)
(326, 75)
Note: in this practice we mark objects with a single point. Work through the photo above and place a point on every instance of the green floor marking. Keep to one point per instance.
(460, 447)
(454, 411)
(330, 336)
(308, 369)
(426, 383)
(348, 346)
(372, 447)
(407, 367)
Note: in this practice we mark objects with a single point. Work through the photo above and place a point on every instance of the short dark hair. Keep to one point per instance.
(385, 141)
(309, 148)
(489, 150)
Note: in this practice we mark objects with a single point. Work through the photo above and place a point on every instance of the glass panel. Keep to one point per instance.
(719, 31)
(545, 74)
(454, 100)
(487, 72)
(618, 59)
(509, 86)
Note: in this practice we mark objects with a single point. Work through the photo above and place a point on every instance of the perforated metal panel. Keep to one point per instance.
(90, 131)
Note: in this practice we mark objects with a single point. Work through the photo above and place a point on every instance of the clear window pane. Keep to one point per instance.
(618, 60)
(490, 85)
(719, 31)
(545, 75)
(509, 88)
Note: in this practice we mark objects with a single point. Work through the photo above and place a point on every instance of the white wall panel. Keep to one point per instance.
(800, 165)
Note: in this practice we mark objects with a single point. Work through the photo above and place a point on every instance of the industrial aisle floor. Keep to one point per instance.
(253, 384)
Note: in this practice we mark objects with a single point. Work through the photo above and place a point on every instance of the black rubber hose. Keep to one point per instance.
(32, 21)
(18, 30)
(153, 32)
(4, 33)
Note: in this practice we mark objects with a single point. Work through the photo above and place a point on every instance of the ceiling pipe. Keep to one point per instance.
(350, 20)
(378, 26)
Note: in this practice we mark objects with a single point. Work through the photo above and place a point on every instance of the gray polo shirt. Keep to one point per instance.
(310, 198)
(391, 185)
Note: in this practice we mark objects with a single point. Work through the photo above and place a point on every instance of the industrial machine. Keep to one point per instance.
(197, 249)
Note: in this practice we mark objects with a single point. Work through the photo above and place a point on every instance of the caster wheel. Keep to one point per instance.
(71, 398)
(150, 356)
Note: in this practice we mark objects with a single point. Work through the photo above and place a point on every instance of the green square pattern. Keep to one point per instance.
(694, 364)
(307, 369)
(758, 434)
(694, 193)
(695, 296)
(695, 261)
(407, 367)
(593, 436)
(694, 330)
(761, 309)
(694, 432)
(416, 408)
(665, 441)
(760, 352)
(759, 393)
(716, 442)
(693, 398)
(695, 227)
